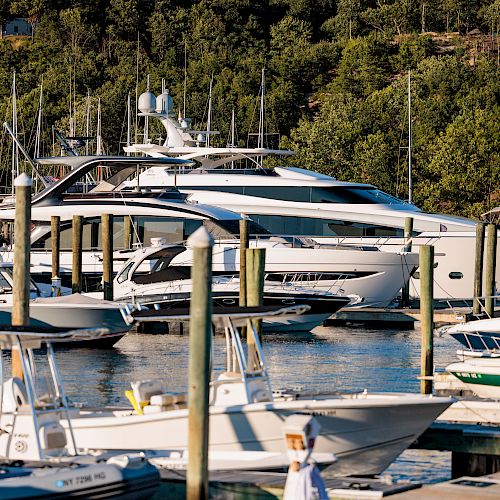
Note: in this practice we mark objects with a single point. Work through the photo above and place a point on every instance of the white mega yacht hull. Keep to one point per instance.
(366, 432)
(454, 255)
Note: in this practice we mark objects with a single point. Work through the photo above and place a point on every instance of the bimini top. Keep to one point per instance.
(118, 168)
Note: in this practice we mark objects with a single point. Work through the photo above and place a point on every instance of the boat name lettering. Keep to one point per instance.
(320, 413)
(469, 375)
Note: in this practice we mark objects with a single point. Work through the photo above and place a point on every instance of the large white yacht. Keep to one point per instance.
(92, 187)
(295, 201)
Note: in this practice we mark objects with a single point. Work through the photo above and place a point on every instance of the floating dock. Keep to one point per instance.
(405, 317)
(246, 485)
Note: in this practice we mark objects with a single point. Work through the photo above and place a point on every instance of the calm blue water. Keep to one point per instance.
(333, 358)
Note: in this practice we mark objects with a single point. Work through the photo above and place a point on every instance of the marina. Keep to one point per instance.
(191, 309)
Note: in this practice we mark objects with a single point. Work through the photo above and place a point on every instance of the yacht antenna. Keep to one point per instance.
(185, 78)
(410, 179)
(39, 123)
(15, 145)
(99, 138)
(209, 118)
(87, 122)
(129, 122)
(260, 141)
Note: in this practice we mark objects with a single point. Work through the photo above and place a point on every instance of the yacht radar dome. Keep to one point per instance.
(147, 103)
(164, 103)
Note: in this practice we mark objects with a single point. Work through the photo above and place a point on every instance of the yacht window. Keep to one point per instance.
(356, 195)
(123, 275)
(91, 237)
(231, 228)
(4, 282)
(225, 189)
(311, 226)
(287, 193)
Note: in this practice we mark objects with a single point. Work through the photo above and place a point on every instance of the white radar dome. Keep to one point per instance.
(164, 103)
(147, 102)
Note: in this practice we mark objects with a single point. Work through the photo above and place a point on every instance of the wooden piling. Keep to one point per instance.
(200, 336)
(408, 234)
(478, 268)
(55, 237)
(127, 232)
(21, 285)
(76, 277)
(490, 270)
(107, 255)
(256, 261)
(243, 261)
(426, 265)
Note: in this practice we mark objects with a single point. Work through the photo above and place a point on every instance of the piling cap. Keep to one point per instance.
(23, 180)
(201, 238)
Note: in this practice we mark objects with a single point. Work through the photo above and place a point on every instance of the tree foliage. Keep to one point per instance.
(336, 81)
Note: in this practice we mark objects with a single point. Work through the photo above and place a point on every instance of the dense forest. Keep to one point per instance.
(336, 74)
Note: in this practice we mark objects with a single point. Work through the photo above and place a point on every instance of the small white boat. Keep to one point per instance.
(365, 431)
(481, 375)
(67, 312)
(38, 460)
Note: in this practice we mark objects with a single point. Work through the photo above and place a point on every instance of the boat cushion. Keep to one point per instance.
(167, 399)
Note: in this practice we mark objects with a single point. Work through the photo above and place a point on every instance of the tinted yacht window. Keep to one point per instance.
(287, 193)
(309, 226)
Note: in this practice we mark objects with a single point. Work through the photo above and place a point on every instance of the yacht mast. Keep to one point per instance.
(410, 179)
(15, 152)
(260, 140)
(209, 118)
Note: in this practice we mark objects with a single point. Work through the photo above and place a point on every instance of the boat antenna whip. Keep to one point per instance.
(26, 155)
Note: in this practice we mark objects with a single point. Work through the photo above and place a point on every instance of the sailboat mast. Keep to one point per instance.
(15, 153)
(260, 141)
(129, 121)
(87, 122)
(39, 123)
(99, 138)
(146, 122)
(209, 118)
(185, 79)
(410, 177)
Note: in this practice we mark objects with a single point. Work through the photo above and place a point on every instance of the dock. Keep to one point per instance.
(240, 485)
(405, 317)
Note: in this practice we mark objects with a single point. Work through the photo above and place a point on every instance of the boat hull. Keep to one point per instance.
(480, 375)
(366, 434)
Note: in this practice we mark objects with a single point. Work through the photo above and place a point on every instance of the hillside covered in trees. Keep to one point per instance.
(336, 81)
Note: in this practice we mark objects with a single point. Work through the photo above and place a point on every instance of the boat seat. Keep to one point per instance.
(165, 402)
(143, 390)
(14, 395)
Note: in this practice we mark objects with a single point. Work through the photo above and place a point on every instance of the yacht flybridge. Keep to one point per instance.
(299, 202)
(93, 187)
